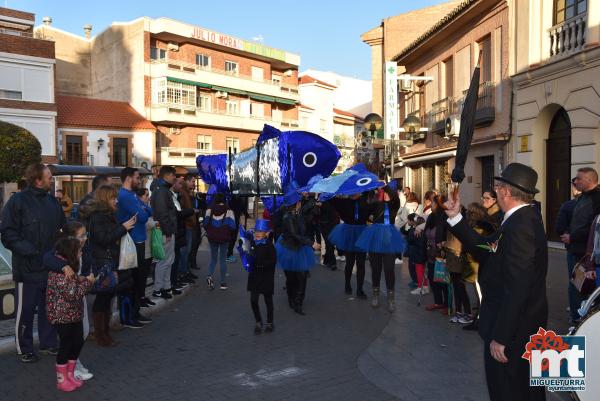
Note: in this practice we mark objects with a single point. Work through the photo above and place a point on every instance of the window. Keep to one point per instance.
(158, 54)
(120, 152)
(277, 115)
(12, 95)
(74, 150)
(204, 102)
(567, 9)
(231, 67)
(204, 143)
(448, 77)
(232, 107)
(160, 96)
(486, 58)
(178, 93)
(276, 79)
(258, 74)
(233, 145)
(257, 110)
(203, 61)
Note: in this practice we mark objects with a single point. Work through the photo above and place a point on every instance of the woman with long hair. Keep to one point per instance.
(435, 233)
(105, 234)
(220, 228)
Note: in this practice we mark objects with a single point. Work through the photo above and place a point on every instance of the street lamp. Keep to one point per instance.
(373, 123)
(412, 125)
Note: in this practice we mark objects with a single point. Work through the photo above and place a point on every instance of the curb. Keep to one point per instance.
(7, 344)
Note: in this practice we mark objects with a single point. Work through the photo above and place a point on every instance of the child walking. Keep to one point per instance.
(261, 279)
(64, 305)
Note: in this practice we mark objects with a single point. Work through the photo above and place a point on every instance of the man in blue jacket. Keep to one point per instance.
(31, 221)
(130, 205)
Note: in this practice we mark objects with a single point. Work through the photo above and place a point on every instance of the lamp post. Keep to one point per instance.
(392, 144)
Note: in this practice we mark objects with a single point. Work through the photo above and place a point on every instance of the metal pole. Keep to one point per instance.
(392, 177)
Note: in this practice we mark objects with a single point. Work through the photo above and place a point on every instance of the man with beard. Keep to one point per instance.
(31, 221)
(130, 205)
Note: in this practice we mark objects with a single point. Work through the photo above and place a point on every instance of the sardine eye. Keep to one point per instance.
(364, 181)
(309, 159)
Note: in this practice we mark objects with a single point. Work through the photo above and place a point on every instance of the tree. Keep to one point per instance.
(18, 149)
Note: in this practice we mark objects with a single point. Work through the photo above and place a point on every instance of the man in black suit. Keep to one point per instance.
(512, 275)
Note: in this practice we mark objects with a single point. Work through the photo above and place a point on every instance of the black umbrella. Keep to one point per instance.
(467, 126)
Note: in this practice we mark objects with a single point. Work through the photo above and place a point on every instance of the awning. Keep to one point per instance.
(432, 156)
(285, 101)
(264, 98)
(185, 81)
(66, 170)
(229, 90)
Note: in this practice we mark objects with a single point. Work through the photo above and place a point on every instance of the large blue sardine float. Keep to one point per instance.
(268, 168)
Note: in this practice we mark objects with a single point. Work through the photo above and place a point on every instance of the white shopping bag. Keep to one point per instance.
(128, 253)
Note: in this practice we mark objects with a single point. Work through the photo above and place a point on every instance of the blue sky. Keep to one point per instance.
(325, 33)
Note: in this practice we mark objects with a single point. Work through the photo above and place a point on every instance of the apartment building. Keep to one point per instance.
(555, 68)
(446, 56)
(206, 92)
(27, 79)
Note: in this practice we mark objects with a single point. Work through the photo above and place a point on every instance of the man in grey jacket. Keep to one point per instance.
(165, 213)
(586, 209)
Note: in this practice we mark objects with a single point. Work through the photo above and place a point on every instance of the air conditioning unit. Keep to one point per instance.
(175, 130)
(172, 46)
(406, 85)
(288, 73)
(452, 126)
(222, 94)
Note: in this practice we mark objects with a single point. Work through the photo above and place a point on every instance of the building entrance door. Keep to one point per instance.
(558, 169)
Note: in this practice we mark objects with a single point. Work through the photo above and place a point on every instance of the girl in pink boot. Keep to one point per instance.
(64, 305)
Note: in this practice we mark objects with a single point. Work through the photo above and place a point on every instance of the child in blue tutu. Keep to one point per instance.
(261, 278)
(295, 256)
(383, 242)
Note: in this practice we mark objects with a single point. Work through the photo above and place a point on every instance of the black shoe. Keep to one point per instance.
(361, 294)
(348, 290)
(258, 328)
(176, 291)
(185, 279)
(49, 351)
(143, 319)
(134, 324)
(29, 357)
(269, 328)
(164, 294)
(291, 303)
(223, 286)
(333, 268)
(298, 310)
(179, 285)
(192, 276)
(147, 302)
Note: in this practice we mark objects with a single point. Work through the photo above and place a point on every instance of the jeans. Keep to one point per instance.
(574, 295)
(218, 252)
(162, 271)
(184, 253)
(71, 342)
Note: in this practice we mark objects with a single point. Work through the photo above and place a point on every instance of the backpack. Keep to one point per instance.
(219, 235)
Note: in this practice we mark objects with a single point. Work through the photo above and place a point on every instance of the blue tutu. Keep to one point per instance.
(381, 238)
(344, 237)
(301, 260)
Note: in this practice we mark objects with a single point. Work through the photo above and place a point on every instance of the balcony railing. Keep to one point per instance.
(486, 105)
(568, 37)
(440, 111)
(75, 160)
(191, 68)
(15, 32)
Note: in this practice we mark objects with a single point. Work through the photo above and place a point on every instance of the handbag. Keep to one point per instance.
(156, 244)
(583, 284)
(127, 253)
(440, 272)
(105, 279)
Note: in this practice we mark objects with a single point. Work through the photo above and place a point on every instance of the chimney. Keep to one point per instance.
(47, 21)
(88, 31)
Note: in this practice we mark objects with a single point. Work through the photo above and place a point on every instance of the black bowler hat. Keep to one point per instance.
(520, 176)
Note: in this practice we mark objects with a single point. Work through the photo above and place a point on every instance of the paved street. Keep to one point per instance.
(202, 348)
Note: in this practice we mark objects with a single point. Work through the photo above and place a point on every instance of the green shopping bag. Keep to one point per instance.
(156, 243)
(440, 272)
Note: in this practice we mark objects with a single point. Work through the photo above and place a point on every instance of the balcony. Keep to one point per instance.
(168, 112)
(217, 77)
(182, 156)
(568, 37)
(485, 113)
(440, 111)
(75, 159)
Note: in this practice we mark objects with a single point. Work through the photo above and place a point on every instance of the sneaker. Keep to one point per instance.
(29, 357)
(465, 319)
(164, 294)
(416, 291)
(148, 302)
(133, 324)
(81, 375)
(176, 291)
(231, 259)
(455, 318)
(179, 286)
(143, 319)
(342, 258)
(156, 294)
(49, 351)
(210, 283)
(223, 286)
(398, 261)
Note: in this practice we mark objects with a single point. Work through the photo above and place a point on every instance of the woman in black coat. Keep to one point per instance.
(105, 234)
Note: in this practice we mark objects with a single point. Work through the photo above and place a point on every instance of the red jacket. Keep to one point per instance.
(64, 298)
